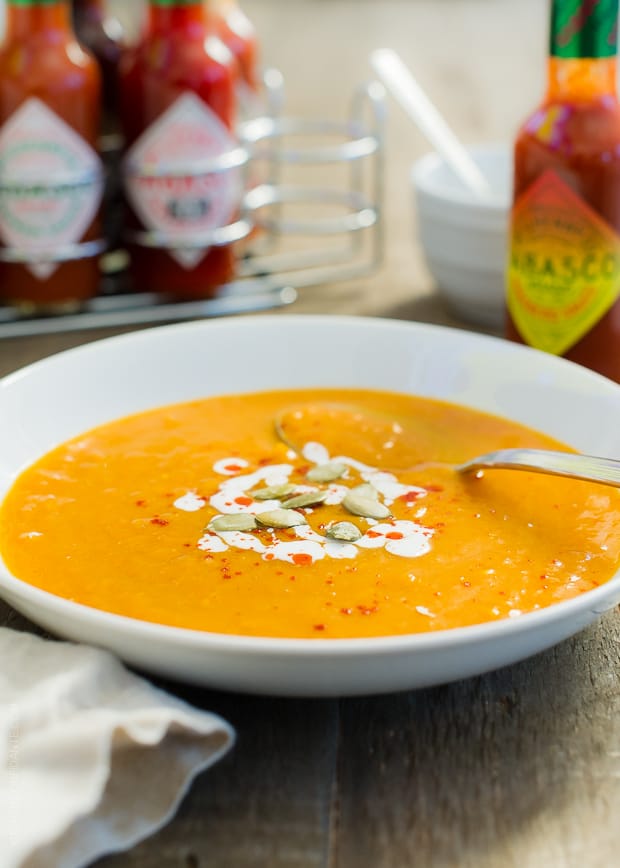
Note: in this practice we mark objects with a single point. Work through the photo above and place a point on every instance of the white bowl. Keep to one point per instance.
(62, 396)
(465, 239)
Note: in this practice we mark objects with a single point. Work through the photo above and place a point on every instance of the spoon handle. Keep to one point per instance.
(575, 466)
(413, 100)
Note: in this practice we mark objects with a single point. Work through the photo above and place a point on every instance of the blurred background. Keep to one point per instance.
(481, 61)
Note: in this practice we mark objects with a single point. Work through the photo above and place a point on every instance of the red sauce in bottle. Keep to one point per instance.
(49, 115)
(564, 270)
(177, 107)
(239, 35)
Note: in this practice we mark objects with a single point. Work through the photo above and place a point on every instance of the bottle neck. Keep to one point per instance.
(165, 16)
(583, 49)
(27, 19)
(581, 78)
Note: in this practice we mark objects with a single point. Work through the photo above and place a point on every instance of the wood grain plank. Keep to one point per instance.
(516, 769)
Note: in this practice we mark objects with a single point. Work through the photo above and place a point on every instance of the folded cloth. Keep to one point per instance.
(93, 759)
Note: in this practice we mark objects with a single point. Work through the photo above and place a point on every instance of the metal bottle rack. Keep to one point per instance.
(283, 254)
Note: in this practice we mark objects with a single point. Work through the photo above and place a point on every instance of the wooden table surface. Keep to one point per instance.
(516, 769)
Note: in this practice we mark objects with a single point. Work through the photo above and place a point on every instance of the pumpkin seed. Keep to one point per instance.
(344, 531)
(326, 472)
(281, 518)
(366, 490)
(367, 507)
(273, 492)
(236, 521)
(308, 498)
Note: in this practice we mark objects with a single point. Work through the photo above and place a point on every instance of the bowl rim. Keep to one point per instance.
(423, 169)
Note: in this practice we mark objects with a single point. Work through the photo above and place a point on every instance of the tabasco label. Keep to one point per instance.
(564, 267)
(168, 184)
(51, 183)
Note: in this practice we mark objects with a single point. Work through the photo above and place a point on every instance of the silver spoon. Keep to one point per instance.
(574, 466)
(567, 464)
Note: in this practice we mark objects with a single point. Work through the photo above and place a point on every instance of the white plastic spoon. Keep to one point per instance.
(407, 92)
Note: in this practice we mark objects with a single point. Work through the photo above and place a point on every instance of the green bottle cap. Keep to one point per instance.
(584, 28)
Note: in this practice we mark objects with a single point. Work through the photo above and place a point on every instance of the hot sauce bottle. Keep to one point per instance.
(51, 176)
(178, 114)
(103, 35)
(239, 35)
(564, 264)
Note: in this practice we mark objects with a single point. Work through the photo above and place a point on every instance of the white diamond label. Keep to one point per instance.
(51, 184)
(165, 185)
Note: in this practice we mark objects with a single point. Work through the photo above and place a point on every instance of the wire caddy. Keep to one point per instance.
(339, 235)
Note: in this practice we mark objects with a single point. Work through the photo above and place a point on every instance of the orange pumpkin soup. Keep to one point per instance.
(197, 515)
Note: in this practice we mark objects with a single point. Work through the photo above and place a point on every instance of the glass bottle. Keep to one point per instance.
(239, 35)
(51, 176)
(178, 114)
(563, 285)
(103, 35)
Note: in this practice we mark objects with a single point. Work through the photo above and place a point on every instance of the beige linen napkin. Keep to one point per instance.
(92, 758)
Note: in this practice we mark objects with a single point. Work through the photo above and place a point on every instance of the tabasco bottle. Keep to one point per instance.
(239, 35)
(564, 263)
(178, 114)
(103, 35)
(51, 176)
